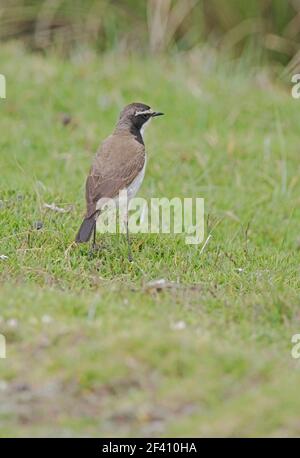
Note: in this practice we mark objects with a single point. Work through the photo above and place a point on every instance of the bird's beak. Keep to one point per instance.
(157, 113)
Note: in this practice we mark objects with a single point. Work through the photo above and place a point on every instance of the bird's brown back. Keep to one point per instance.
(117, 163)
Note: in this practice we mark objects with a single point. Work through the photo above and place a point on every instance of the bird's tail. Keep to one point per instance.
(86, 229)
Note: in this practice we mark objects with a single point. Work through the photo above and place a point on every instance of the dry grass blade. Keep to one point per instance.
(158, 13)
(44, 20)
(57, 209)
(164, 21)
(242, 30)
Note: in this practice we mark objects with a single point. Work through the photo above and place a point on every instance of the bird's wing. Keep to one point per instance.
(116, 165)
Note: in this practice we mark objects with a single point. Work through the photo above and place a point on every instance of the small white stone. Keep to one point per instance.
(178, 326)
(46, 319)
(12, 323)
(3, 385)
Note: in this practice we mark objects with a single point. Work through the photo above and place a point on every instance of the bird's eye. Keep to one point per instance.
(144, 116)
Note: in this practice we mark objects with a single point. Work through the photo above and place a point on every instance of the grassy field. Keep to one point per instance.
(92, 349)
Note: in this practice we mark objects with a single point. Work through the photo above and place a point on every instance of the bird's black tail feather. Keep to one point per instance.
(86, 229)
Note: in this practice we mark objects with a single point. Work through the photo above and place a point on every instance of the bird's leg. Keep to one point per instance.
(94, 238)
(130, 259)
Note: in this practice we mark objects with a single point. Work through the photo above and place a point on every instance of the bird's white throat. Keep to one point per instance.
(146, 124)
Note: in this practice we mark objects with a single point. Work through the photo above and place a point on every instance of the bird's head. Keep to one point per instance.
(137, 115)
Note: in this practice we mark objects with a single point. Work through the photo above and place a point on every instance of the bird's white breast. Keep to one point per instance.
(131, 190)
(136, 183)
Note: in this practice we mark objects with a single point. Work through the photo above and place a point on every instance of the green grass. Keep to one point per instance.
(91, 349)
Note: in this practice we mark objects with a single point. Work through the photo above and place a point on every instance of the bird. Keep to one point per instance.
(119, 165)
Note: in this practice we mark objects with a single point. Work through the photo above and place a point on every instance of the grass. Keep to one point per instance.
(92, 350)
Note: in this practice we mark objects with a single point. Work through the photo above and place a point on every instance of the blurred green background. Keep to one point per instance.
(271, 27)
(95, 347)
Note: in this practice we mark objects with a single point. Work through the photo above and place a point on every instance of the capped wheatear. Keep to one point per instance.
(118, 165)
